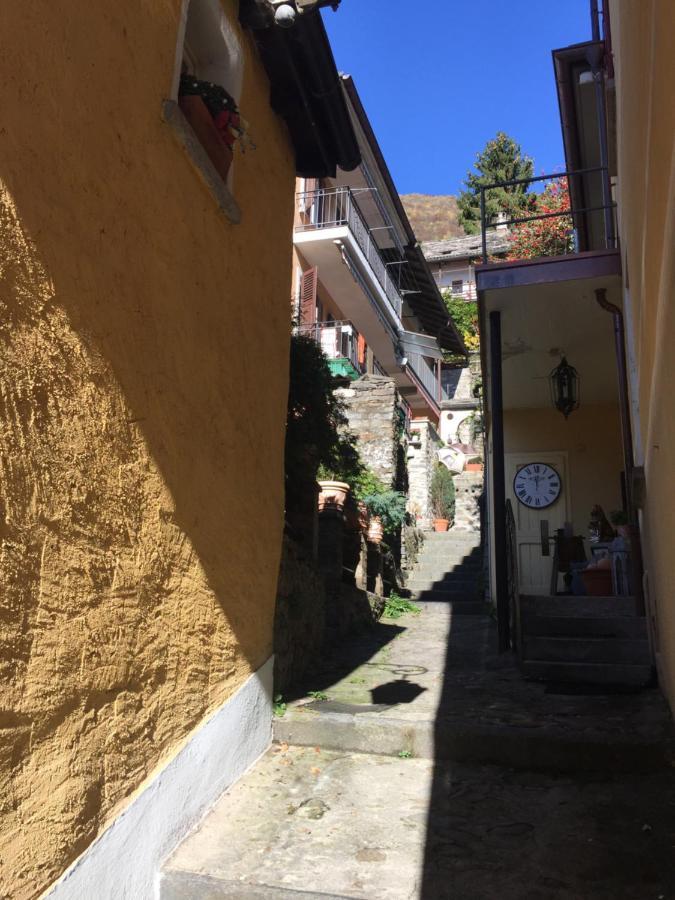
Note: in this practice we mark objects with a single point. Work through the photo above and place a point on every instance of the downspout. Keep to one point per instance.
(594, 57)
(626, 439)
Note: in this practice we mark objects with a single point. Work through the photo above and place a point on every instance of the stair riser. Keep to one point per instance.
(588, 673)
(464, 607)
(601, 650)
(524, 749)
(552, 626)
(462, 587)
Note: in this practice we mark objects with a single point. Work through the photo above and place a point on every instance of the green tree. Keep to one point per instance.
(501, 160)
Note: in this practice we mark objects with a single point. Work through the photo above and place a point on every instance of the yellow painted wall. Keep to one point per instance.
(642, 36)
(592, 438)
(143, 361)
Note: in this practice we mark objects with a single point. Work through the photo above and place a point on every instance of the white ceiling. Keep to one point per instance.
(541, 322)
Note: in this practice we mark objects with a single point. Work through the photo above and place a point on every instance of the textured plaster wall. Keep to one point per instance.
(138, 329)
(645, 73)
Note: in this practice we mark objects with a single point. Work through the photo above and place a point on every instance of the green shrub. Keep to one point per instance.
(442, 493)
(390, 506)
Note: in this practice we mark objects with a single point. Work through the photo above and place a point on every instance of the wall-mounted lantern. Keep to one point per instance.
(565, 384)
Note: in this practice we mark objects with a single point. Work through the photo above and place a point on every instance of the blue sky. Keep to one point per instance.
(439, 78)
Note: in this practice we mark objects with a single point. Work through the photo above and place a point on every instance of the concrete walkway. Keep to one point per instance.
(382, 791)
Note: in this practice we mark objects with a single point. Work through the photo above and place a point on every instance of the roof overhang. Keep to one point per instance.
(306, 91)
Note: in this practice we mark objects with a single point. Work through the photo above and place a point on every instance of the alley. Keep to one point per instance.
(398, 779)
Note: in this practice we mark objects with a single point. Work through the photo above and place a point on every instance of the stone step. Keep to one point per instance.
(585, 626)
(458, 586)
(440, 567)
(588, 650)
(588, 673)
(594, 607)
(451, 557)
(450, 537)
(463, 607)
(525, 748)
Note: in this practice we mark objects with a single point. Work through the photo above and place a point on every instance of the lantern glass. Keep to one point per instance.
(565, 384)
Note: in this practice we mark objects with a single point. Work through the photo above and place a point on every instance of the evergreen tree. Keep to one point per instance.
(501, 160)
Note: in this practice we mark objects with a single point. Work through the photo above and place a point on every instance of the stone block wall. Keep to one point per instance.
(422, 457)
(468, 499)
(372, 403)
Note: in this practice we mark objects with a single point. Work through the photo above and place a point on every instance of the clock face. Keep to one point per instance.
(537, 485)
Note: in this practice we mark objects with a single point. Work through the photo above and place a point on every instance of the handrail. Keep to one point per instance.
(573, 213)
(334, 207)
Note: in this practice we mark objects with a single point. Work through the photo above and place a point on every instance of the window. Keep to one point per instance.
(205, 95)
(458, 287)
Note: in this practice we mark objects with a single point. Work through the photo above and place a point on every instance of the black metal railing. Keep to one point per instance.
(573, 213)
(338, 207)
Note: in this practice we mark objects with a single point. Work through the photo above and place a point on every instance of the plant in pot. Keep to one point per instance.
(366, 484)
(387, 513)
(333, 491)
(619, 520)
(442, 497)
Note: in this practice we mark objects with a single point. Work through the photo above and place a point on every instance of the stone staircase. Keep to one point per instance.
(585, 640)
(449, 569)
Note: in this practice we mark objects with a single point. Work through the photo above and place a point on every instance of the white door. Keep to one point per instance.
(534, 569)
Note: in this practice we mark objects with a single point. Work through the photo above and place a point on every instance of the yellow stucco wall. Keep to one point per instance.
(143, 361)
(591, 436)
(645, 72)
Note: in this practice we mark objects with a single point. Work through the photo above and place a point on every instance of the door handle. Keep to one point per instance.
(545, 539)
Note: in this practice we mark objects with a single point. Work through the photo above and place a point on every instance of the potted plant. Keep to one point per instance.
(442, 497)
(619, 520)
(215, 119)
(475, 464)
(332, 491)
(387, 513)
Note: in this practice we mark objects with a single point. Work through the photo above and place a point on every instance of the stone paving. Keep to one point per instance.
(436, 678)
(323, 821)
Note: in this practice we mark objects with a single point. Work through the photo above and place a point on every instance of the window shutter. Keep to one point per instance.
(308, 284)
(361, 346)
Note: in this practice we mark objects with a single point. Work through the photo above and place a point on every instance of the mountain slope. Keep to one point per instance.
(432, 216)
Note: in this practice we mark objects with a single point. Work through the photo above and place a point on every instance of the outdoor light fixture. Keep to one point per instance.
(564, 381)
(287, 11)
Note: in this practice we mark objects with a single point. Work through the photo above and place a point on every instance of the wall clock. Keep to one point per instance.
(537, 485)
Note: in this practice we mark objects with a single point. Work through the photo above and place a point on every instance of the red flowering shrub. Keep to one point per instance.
(553, 236)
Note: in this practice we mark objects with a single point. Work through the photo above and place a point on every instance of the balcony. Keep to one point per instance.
(332, 234)
(421, 365)
(339, 342)
(569, 213)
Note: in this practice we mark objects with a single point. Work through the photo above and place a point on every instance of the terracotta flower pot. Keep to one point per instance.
(333, 495)
(375, 532)
(598, 582)
(441, 524)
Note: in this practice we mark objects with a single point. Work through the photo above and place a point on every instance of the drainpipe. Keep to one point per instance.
(622, 371)
(595, 20)
(627, 441)
(594, 57)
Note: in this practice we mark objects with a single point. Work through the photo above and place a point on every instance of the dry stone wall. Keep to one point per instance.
(372, 404)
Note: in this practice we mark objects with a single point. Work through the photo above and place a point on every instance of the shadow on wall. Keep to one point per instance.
(137, 582)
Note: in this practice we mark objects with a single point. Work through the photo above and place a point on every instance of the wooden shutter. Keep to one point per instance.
(361, 345)
(308, 284)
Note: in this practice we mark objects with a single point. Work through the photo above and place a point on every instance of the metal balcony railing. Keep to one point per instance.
(426, 374)
(338, 207)
(338, 340)
(573, 212)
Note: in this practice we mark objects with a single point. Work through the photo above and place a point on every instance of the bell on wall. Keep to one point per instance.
(565, 383)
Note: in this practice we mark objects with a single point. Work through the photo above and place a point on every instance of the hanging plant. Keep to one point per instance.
(223, 109)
